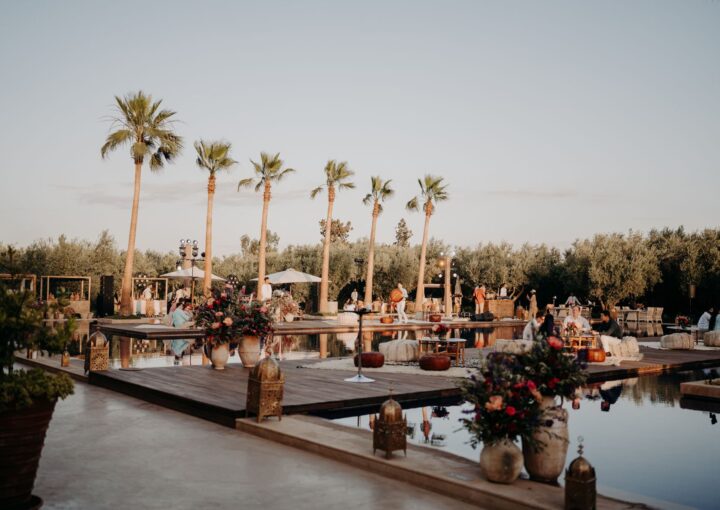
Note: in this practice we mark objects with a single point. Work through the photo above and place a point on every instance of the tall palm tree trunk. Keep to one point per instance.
(263, 238)
(371, 256)
(126, 288)
(207, 281)
(326, 253)
(420, 296)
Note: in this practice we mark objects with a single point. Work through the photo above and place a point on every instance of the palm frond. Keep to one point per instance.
(369, 199)
(412, 205)
(315, 192)
(114, 140)
(245, 183)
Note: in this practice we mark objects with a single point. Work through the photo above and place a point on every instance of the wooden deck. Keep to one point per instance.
(219, 396)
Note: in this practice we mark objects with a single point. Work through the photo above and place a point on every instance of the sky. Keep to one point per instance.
(550, 121)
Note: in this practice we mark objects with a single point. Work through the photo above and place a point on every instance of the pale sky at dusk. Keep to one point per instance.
(550, 120)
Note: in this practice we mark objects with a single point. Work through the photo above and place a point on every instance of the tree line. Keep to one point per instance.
(656, 268)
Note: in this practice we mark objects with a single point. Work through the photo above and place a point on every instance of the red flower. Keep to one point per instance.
(531, 386)
(510, 410)
(553, 382)
(555, 343)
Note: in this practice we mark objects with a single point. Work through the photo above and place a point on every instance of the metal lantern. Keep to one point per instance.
(389, 433)
(580, 481)
(265, 390)
(97, 354)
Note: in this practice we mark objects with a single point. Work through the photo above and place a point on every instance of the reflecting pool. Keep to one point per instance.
(651, 446)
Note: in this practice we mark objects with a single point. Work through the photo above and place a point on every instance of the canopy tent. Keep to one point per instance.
(291, 276)
(192, 272)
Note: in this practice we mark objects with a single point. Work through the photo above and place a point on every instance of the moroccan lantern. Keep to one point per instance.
(390, 429)
(97, 353)
(580, 480)
(265, 390)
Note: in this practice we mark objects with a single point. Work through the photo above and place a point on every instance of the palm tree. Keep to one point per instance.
(148, 130)
(379, 192)
(432, 191)
(269, 170)
(213, 157)
(336, 174)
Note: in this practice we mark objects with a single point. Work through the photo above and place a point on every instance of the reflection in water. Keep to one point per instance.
(646, 446)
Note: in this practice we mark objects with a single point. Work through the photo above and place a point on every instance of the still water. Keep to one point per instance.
(651, 446)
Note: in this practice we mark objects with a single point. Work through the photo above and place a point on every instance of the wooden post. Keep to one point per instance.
(448, 293)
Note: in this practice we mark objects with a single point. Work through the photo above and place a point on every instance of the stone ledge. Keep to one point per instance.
(701, 389)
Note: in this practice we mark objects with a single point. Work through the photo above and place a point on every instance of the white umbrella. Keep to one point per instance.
(291, 276)
(196, 273)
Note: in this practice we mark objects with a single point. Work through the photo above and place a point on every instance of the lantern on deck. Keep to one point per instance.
(390, 429)
(265, 390)
(580, 480)
(97, 353)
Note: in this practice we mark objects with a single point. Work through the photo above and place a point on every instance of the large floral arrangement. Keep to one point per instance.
(282, 305)
(682, 321)
(225, 319)
(506, 404)
(554, 372)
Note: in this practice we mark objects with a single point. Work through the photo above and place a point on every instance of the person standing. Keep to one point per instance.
(503, 292)
(354, 295)
(572, 300)
(532, 303)
(479, 296)
(180, 318)
(266, 290)
(402, 316)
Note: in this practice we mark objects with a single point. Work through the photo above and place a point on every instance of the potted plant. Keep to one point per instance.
(27, 397)
(255, 326)
(218, 315)
(506, 408)
(555, 373)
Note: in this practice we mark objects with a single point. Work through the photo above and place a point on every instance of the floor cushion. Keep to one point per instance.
(399, 350)
(677, 341)
(712, 338)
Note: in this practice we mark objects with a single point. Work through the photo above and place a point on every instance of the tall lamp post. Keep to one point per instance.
(189, 251)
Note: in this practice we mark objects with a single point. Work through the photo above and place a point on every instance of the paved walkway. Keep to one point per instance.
(108, 451)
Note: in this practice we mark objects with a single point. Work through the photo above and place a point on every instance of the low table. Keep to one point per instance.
(453, 347)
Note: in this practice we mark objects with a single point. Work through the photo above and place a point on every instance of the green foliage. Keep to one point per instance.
(250, 246)
(268, 170)
(380, 191)
(339, 231)
(432, 191)
(402, 234)
(213, 156)
(337, 174)
(23, 387)
(551, 370)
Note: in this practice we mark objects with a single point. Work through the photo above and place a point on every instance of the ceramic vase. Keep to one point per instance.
(219, 356)
(546, 463)
(501, 462)
(249, 350)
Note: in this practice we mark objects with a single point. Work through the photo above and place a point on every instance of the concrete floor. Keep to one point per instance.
(105, 450)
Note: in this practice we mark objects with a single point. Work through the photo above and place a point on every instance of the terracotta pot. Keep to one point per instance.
(547, 463)
(435, 317)
(501, 462)
(249, 350)
(386, 319)
(219, 356)
(371, 359)
(435, 362)
(595, 355)
(22, 434)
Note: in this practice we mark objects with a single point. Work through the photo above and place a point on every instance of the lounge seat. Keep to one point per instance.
(681, 341)
(400, 350)
(711, 338)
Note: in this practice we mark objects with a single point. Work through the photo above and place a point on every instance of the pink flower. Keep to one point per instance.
(555, 343)
(228, 321)
(510, 411)
(495, 403)
(263, 309)
(531, 386)
(215, 325)
(218, 314)
(210, 301)
(223, 294)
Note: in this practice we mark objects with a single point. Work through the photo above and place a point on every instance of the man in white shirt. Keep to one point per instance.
(581, 323)
(704, 321)
(533, 326)
(266, 290)
(572, 300)
(503, 292)
(402, 316)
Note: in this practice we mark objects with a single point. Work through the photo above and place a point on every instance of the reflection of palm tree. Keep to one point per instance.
(268, 170)
(213, 157)
(432, 191)
(336, 174)
(379, 192)
(148, 130)
(426, 426)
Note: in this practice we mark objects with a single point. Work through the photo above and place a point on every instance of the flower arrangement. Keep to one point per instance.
(554, 372)
(254, 320)
(682, 321)
(225, 319)
(571, 329)
(506, 403)
(440, 329)
(282, 305)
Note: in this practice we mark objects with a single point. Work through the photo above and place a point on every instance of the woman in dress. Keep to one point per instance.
(180, 318)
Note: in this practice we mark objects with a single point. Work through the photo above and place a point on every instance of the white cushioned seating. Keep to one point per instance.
(712, 338)
(513, 346)
(399, 350)
(677, 341)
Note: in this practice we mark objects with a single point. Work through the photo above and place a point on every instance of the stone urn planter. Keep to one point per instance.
(501, 462)
(371, 359)
(22, 436)
(547, 463)
(435, 362)
(219, 356)
(249, 350)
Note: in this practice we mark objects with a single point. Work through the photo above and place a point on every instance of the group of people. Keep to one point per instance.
(543, 323)
(708, 320)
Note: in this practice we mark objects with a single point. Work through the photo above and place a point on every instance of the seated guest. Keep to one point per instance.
(608, 326)
(532, 328)
(581, 323)
(704, 321)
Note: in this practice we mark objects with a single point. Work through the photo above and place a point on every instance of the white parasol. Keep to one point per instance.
(192, 272)
(291, 276)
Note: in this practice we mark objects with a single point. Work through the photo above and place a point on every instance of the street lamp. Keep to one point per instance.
(189, 251)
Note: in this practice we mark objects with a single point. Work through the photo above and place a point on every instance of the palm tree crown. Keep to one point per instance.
(379, 192)
(214, 156)
(432, 191)
(268, 170)
(336, 174)
(141, 123)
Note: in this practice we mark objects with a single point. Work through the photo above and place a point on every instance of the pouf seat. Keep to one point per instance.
(400, 350)
(387, 319)
(677, 341)
(513, 346)
(371, 359)
(625, 348)
(711, 338)
(435, 362)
